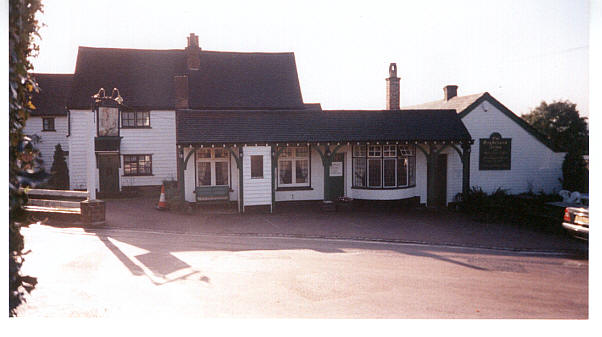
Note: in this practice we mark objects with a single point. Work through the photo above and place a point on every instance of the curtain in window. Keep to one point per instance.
(204, 173)
(285, 172)
(301, 171)
(221, 173)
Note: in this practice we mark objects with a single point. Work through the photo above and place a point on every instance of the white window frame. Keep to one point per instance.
(293, 159)
(384, 153)
(212, 160)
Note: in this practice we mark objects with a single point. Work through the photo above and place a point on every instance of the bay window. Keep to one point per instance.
(213, 167)
(293, 167)
(384, 166)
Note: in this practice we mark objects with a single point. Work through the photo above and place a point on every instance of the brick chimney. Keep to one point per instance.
(393, 88)
(193, 53)
(181, 92)
(449, 92)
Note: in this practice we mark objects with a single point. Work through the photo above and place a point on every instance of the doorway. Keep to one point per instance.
(438, 197)
(337, 176)
(108, 173)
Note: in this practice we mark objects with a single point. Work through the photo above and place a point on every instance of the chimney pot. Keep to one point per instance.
(449, 92)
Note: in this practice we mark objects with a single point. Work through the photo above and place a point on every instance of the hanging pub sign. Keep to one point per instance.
(107, 112)
(108, 118)
(495, 152)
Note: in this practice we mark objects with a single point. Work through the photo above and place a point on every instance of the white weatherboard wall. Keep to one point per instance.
(533, 165)
(158, 141)
(48, 139)
(77, 150)
(257, 191)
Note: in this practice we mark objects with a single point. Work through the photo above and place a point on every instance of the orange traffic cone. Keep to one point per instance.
(162, 205)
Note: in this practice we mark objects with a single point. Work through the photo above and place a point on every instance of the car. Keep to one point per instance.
(576, 220)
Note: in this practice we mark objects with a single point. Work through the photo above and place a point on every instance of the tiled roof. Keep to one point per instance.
(225, 80)
(53, 95)
(245, 80)
(458, 103)
(238, 126)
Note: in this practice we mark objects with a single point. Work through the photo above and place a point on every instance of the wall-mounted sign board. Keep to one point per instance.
(336, 169)
(495, 153)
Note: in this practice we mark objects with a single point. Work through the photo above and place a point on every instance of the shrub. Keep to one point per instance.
(575, 174)
(59, 171)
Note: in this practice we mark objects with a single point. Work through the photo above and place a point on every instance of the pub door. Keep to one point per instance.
(108, 173)
(337, 176)
(439, 192)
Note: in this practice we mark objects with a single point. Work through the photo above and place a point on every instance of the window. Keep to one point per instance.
(256, 167)
(213, 167)
(48, 124)
(135, 119)
(137, 165)
(384, 166)
(293, 167)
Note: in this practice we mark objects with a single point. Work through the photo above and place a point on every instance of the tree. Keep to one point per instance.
(59, 171)
(561, 124)
(575, 174)
(23, 170)
(567, 131)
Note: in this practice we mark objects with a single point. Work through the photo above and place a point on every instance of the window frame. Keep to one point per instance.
(48, 128)
(135, 119)
(367, 153)
(293, 159)
(138, 156)
(212, 160)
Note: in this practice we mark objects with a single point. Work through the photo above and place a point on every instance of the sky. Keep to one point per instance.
(521, 52)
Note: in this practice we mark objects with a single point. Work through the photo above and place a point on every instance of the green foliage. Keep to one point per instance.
(527, 209)
(561, 124)
(59, 170)
(23, 168)
(575, 174)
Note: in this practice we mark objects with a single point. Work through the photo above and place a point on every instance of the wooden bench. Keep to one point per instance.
(54, 201)
(206, 193)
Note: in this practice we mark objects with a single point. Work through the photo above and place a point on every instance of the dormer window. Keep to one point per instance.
(135, 119)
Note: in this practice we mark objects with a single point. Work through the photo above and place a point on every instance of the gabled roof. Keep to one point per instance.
(463, 105)
(225, 80)
(245, 80)
(53, 95)
(243, 126)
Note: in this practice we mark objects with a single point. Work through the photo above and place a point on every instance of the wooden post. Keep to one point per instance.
(465, 168)
(238, 160)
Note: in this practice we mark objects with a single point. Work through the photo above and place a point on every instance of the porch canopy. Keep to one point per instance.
(430, 130)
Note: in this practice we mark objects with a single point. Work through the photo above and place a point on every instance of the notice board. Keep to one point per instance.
(495, 152)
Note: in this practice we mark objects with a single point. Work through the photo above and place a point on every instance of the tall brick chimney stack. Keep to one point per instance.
(193, 53)
(393, 88)
(449, 92)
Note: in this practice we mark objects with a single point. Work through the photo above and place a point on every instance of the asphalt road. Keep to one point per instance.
(132, 273)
